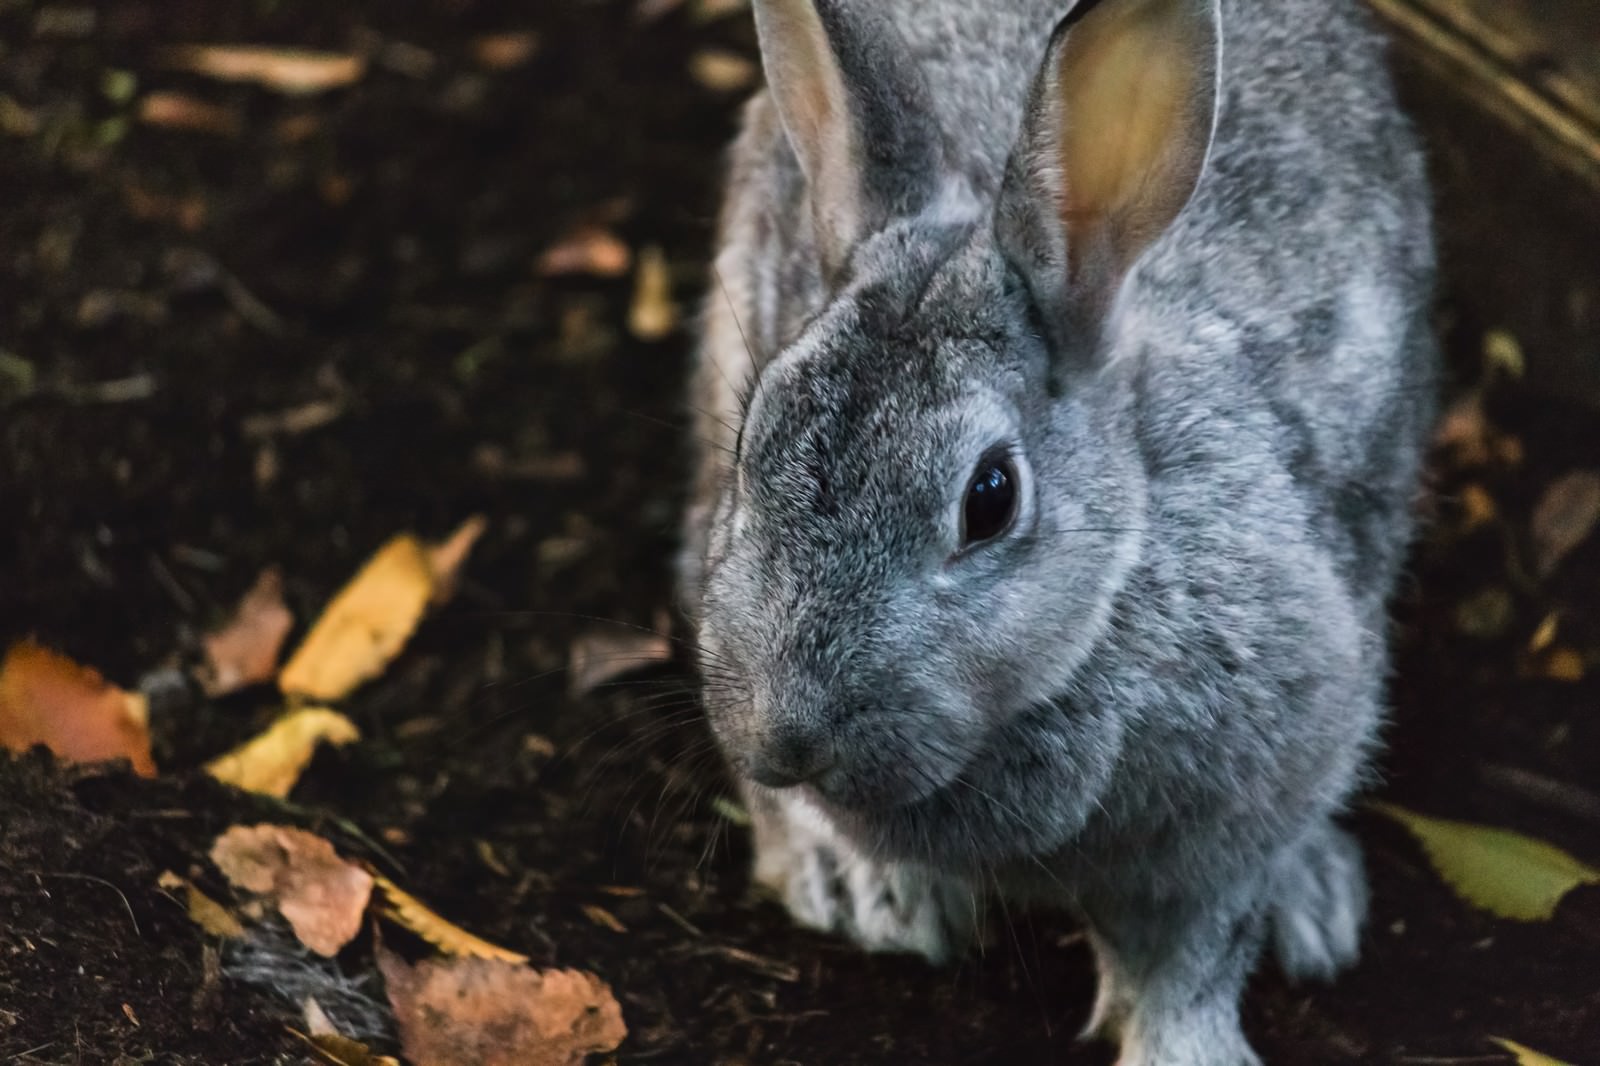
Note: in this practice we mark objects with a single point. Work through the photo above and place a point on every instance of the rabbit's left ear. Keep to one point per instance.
(1117, 132)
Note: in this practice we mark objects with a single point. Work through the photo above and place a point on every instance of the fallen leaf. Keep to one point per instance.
(1502, 354)
(603, 918)
(272, 762)
(406, 910)
(586, 249)
(365, 625)
(722, 71)
(1505, 873)
(503, 51)
(1477, 506)
(607, 654)
(321, 895)
(1463, 431)
(287, 70)
(1526, 1056)
(1564, 517)
(331, 1046)
(707, 10)
(452, 1011)
(1564, 664)
(446, 557)
(179, 111)
(245, 651)
(46, 698)
(1545, 635)
(652, 315)
(204, 911)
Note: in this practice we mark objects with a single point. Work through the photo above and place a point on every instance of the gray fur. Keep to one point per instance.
(1150, 698)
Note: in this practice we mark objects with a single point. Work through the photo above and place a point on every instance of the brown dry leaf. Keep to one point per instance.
(1464, 432)
(245, 651)
(272, 762)
(287, 70)
(603, 918)
(452, 1011)
(406, 910)
(723, 71)
(1564, 664)
(652, 315)
(365, 626)
(586, 249)
(1477, 506)
(503, 51)
(446, 557)
(607, 654)
(204, 911)
(46, 698)
(321, 895)
(1564, 517)
(179, 111)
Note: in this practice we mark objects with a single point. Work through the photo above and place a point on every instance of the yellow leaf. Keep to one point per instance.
(204, 911)
(446, 558)
(1526, 1056)
(408, 911)
(652, 315)
(365, 626)
(272, 762)
(288, 70)
(1505, 873)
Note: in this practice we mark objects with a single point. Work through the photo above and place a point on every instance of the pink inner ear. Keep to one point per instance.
(1135, 102)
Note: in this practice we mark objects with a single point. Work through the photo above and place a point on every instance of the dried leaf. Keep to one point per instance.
(321, 895)
(1564, 664)
(1463, 431)
(1508, 874)
(46, 698)
(204, 911)
(722, 71)
(1502, 354)
(652, 315)
(452, 1011)
(365, 626)
(179, 111)
(445, 558)
(1564, 517)
(607, 654)
(603, 918)
(245, 651)
(406, 910)
(707, 10)
(1477, 506)
(1526, 1056)
(503, 51)
(587, 249)
(272, 762)
(332, 1047)
(287, 70)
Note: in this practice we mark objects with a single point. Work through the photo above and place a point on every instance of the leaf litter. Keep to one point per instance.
(322, 896)
(272, 762)
(245, 651)
(47, 698)
(493, 1013)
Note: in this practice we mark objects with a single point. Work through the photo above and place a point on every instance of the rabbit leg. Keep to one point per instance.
(1170, 978)
(1319, 904)
(828, 883)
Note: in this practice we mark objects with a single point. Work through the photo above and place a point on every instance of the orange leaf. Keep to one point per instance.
(322, 896)
(452, 1011)
(288, 70)
(445, 558)
(245, 651)
(46, 698)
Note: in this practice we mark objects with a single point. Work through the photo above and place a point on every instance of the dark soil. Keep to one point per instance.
(372, 249)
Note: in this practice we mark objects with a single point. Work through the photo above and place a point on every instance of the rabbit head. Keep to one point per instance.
(937, 489)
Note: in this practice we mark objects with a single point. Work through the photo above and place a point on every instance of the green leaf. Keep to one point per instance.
(1505, 873)
(1526, 1056)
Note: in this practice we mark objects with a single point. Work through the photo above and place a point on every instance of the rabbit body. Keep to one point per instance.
(1149, 696)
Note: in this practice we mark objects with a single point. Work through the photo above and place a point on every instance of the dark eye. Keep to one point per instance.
(991, 501)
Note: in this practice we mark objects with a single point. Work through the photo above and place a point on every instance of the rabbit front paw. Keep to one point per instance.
(828, 884)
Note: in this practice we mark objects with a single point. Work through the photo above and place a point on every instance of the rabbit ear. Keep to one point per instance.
(1116, 136)
(856, 113)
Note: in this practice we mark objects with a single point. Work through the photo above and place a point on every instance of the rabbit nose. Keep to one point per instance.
(791, 755)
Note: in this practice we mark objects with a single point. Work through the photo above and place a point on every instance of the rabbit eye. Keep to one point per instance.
(991, 501)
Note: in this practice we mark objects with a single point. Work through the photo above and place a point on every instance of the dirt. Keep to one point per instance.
(281, 345)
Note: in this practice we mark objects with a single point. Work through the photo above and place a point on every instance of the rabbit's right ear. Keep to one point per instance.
(1117, 132)
(855, 110)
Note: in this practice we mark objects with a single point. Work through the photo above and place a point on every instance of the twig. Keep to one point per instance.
(112, 887)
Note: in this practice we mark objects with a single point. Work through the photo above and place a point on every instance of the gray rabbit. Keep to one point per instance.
(1061, 404)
